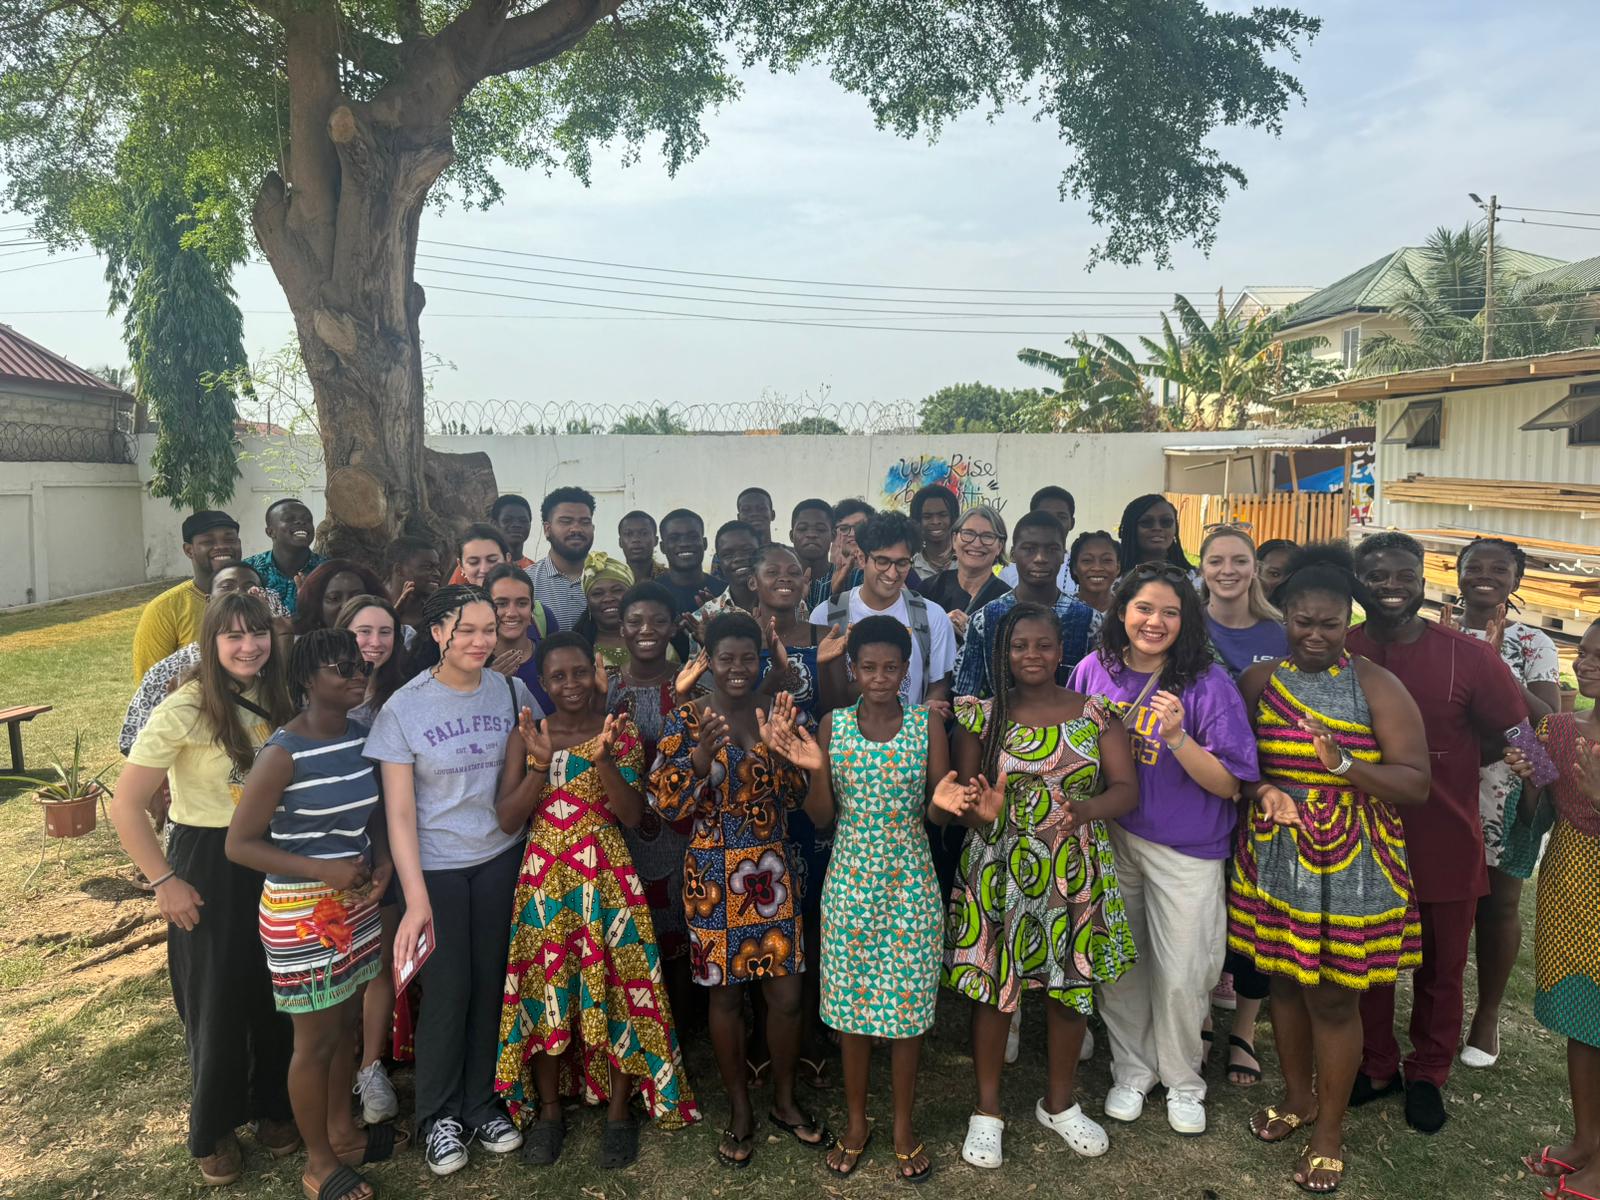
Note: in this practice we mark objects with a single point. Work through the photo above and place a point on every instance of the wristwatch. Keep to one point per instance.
(1344, 764)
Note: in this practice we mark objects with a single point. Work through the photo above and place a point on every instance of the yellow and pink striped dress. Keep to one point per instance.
(1333, 902)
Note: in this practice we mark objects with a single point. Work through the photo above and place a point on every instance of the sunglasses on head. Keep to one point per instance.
(1148, 571)
(345, 669)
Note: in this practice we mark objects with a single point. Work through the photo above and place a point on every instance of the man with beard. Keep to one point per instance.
(172, 619)
(683, 542)
(291, 558)
(811, 535)
(753, 506)
(1466, 694)
(568, 516)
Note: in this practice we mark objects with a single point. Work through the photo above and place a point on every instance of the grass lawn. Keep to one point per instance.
(93, 1081)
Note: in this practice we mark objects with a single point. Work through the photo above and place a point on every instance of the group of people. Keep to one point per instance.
(575, 803)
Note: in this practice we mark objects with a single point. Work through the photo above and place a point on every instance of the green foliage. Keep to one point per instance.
(69, 778)
(982, 408)
(99, 95)
(812, 425)
(659, 420)
(1103, 389)
(1442, 305)
(185, 338)
(1221, 369)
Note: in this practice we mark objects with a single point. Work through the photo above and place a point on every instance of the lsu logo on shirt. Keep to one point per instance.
(1143, 732)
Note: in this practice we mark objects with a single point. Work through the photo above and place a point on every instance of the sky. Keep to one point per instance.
(1409, 107)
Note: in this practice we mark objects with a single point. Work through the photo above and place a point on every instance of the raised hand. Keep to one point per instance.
(535, 736)
(989, 798)
(1448, 618)
(606, 744)
(779, 652)
(957, 799)
(1322, 742)
(408, 604)
(1586, 766)
(797, 745)
(507, 661)
(1495, 631)
(714, 735)
(832, 645)
(687, 678)
(1168, 710)
(779, 720)
(1279, 807)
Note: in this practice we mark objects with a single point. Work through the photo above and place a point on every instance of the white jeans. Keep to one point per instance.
(1154, 1012)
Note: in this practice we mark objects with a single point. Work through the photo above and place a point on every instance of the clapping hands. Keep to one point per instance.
(781, 730)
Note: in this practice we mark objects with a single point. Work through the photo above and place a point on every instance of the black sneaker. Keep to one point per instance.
(1366, 1091)
(446, 1149)
(498, 1136)
(1425, 1107)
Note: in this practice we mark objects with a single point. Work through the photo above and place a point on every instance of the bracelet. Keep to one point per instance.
(535, 765)
(155, 883)
(1176, 746)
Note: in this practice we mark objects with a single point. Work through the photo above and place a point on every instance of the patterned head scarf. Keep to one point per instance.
(600, 565)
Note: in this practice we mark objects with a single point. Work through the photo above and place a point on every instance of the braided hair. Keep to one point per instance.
(1518, 556)
(314, 650)
(445, 605)
(994, 729)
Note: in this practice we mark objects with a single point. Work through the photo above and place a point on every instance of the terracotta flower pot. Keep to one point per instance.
(71, 818)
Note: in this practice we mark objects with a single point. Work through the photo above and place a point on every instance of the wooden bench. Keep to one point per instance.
(12, 719)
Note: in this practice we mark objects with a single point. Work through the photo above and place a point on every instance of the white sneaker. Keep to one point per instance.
(1086, 1051)
(498, 1136)
(1086, 1137)
(1014, 1036)
(1186, 1115)
(445, 1150)
(1124, 1103)
(378, 1100)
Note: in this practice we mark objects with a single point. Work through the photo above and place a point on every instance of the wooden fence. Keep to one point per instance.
(1299, 516)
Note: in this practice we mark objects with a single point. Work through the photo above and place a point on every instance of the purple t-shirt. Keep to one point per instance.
(1239, 649)
(1173, 809)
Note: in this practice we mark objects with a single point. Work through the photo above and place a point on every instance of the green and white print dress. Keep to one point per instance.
(1036, 904)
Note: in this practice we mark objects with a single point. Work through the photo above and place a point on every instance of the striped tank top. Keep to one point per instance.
(325, 809)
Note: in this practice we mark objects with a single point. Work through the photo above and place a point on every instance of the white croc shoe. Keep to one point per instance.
(982, 1147)
(1124, 1103)
(1086, 1137)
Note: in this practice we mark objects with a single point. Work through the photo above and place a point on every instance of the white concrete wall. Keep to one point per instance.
(1481, 439)
(67, 529)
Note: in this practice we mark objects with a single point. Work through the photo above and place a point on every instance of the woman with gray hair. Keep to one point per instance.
(970, 582)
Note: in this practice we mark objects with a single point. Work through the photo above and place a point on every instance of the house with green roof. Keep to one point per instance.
(1358, 306)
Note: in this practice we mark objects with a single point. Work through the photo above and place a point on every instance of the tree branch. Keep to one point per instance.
(547, 31)
(311, 65)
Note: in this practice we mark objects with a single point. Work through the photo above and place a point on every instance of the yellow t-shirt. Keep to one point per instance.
(169, 622)
(205, 783)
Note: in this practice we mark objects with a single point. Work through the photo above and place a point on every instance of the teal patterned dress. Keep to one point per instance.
(1037, 905)
(880, 901)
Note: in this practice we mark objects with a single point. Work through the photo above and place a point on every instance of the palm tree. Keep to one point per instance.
(1104, 389)
(1442, 305)
(658, 420)
(1221, 369)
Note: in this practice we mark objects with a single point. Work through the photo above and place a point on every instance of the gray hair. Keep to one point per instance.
(996, 522)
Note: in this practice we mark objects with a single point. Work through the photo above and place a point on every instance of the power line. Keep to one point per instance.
(1548, 224)
(710, 287)
(1564, 212)
(896, 287)
(48, 263)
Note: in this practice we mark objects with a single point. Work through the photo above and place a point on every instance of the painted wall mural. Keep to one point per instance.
(971, 480)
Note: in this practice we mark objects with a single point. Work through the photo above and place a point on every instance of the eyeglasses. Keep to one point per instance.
(885, 563)
(349, 670)
(972, 535)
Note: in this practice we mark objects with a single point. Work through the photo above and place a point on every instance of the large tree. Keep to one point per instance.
(324, 128)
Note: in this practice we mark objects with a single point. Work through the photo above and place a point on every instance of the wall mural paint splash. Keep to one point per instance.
(970, 480)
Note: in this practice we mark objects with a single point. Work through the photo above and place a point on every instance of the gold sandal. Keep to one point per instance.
(1320, 1162)
(1292, 1120)
(847, 1166)
(907, 1159)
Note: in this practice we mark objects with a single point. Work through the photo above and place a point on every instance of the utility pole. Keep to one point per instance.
(1488, 284)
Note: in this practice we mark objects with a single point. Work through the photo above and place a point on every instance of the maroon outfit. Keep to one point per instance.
(1466, 693)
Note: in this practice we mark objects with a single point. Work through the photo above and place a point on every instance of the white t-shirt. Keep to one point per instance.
(1065, 583)
(941, 641)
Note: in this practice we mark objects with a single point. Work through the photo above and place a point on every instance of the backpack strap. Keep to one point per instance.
(917, 607)
(541, 618)
(839, 610)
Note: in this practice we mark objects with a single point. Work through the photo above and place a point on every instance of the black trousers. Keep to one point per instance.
(463, 983)
(239, 1044)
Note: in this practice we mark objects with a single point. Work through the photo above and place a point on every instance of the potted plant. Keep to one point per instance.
(69, 798)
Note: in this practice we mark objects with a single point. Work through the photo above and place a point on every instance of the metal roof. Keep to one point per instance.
(1379, 284)
(25, 360)
(1580, 276)
(1246, 447)
(1563, 364)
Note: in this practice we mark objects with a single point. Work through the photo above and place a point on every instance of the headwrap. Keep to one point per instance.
(600, 565)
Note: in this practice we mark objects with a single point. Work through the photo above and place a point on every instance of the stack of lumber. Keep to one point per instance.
(1554, 591)
(1535, 548)
(1580, 498)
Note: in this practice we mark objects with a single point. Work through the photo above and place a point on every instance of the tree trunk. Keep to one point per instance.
(341, 236)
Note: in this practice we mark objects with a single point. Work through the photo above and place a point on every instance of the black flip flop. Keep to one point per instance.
(728, 1160)
(542, 1142)
(1254, 1073)
(343, 1182)
(382, 1141)
(619, 1145)
(825, 1140)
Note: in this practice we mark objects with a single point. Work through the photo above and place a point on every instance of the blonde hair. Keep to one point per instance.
(1260, 607)
(996, 522)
